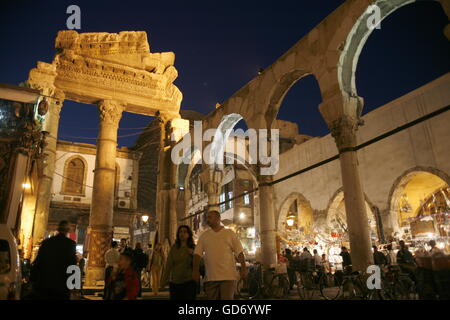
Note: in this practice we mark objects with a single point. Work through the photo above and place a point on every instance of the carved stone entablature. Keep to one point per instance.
(89, 67)
(42, 78)
(110, 111)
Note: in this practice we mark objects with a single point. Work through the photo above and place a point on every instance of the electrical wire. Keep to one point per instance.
(85, 185)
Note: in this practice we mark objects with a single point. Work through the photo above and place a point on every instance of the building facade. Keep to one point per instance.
(72, 190)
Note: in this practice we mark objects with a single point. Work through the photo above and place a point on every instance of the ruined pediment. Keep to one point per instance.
(89, 67)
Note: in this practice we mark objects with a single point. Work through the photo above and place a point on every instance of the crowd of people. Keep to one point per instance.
(405, 261)
(213, 258)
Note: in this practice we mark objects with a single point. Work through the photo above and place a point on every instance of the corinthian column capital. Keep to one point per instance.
(344, 130)
(110, 111)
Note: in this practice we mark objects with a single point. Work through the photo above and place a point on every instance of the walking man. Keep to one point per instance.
(219, 247)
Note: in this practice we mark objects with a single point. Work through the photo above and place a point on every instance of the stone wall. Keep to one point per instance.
(424, 145)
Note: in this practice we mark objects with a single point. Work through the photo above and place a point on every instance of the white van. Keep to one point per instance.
(10, 275)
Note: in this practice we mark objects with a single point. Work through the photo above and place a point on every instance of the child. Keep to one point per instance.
(124, 284)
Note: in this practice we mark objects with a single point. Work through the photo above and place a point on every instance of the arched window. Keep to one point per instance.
(74, 176)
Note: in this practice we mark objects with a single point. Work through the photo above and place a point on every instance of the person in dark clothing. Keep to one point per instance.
(82, 264)
(378, 257)
(404, 256)
(291, 269)
(346, 259)
(49, 270)
(140, 260)
(124, 248)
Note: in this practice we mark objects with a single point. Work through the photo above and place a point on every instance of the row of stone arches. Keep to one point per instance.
(416, 185)
(329, 53)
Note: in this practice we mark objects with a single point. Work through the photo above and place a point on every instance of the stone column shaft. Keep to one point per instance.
(44, 196)
(101, 216)
(344, 132)
(267, 228)
(173, 221)
(211, 178)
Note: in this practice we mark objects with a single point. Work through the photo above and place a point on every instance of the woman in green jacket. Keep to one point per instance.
(178, 271)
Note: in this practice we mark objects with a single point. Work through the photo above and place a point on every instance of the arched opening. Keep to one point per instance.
(75, 170)
(299, 110)
(336, 234)
(295, 223)
(420, 206)
(131, 126)
(237, 205)
(408, 51)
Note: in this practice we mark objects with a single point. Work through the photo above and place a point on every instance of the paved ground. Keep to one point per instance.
(94, 293)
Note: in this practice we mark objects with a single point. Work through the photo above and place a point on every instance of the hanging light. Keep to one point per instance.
(290, 220)
(145, 218)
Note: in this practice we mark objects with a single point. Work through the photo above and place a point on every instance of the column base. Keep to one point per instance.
(94, 274)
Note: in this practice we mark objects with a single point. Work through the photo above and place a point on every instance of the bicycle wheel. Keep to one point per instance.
(398, 291)
(351, 289)
(328, 289)
(305, 286)
(248, 289)
(279, 287)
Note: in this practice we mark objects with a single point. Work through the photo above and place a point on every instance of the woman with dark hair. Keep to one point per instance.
(178, 271)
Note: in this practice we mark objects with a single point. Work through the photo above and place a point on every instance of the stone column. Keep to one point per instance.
(162, 185)
(344, 132)
(44, 195)
(211, 178)
(267, 228)
(173, 221)
(101, 216)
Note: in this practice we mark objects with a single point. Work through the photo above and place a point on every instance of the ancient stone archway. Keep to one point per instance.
(357, 38)
(118, 73)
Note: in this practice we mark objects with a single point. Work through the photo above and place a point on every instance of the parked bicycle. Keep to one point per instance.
(354, 286)
(399, 285)
(314, 282)
(254, 287)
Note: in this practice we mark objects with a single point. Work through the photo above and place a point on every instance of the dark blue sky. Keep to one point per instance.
(220, 46)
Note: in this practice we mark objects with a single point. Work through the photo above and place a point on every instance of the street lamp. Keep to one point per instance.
(144, 219)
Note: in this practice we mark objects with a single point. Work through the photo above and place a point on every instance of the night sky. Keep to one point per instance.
(221, 45)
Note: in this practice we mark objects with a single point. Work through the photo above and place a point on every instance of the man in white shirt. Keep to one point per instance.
(219, 247)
